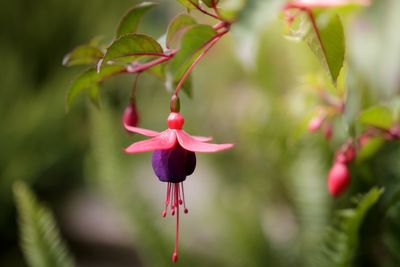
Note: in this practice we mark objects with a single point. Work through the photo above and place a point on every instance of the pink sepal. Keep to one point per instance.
(194, 145)
(164, 140)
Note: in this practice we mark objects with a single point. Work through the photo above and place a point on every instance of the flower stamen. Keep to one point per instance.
(185, 210)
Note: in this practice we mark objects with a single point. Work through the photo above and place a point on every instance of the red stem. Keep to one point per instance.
(202, 10)
(206, 47)
(145, 66)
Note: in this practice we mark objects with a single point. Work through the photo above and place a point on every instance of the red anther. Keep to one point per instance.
(164, 213)
(174, 257)
(185, 211)
(175, 121)
(173, 212)
(338, 179)
(180, 202)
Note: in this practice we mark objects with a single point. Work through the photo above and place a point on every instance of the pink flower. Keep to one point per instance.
(173, 159)
(307, 4)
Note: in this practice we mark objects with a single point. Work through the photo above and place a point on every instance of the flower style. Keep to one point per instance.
(173, 159)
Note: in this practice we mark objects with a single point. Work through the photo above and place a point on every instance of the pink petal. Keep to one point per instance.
(192, 144)
(141, 131)
(164, 140)
(202, 138)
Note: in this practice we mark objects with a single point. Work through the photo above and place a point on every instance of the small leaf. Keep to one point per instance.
(83, 54)
(177, 27)
(188, 3)
(94, 95)
(326, 40)
(378, 116)
(40, 238)
(192, 42)
(130, 22)
(90, 79)
(131, 46)
(210, 3)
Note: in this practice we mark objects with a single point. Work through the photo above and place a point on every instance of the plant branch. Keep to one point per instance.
(206, 48)
(202, 10)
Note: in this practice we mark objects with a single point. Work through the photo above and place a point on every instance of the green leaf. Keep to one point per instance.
(177, 27)
(327, 42)
(188, 3)
(83, 54)
(94, 95)
(40, 239)
(131, 46)
(130, 21)
(210, 3)
(342, 239)
(192, 42)
(89, 79)
(378, 116)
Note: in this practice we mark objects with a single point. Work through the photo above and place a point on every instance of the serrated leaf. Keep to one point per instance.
(40, 239)
(342, 239)
(188, 3)
(131, 46)
(177, 27)
(131, 20)
(378, 116)
(89, 79)
(192, 42)
(210, 3)
(327, 42)
(83, 54)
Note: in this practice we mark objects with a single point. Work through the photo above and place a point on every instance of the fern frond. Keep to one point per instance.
(342, 238)
(40, 239)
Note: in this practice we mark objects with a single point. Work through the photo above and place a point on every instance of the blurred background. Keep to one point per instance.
(264, 203)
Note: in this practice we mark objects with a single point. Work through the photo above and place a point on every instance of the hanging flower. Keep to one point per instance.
(173, 159)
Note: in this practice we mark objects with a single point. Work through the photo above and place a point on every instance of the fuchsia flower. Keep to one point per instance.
(173, 159)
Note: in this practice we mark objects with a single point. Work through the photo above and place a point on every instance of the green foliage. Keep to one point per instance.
(130, 22)
(89, 80)
(192, 42)
(326, 39)
(210, 3)
(177, 28)
(83, 55)
(342, 240)
(40, 238)
(378, 116)
(188, 3)
(131, 46)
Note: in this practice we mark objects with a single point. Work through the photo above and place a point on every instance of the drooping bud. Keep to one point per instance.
(315, 123)
(346, 154)
(131, 115)
(175, 104)
(338, 179)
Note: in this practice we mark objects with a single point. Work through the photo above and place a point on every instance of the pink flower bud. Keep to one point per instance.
(315, 123)
(130, 116)
(338, 179)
